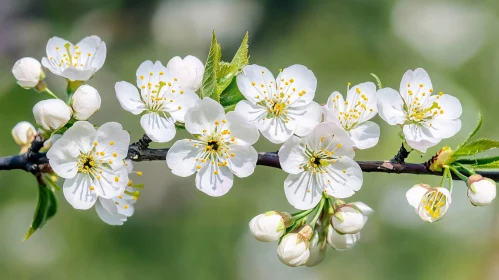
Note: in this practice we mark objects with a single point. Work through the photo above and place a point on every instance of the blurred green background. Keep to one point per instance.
(178, 232)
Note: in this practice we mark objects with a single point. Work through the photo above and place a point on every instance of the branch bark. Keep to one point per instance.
(35, 162)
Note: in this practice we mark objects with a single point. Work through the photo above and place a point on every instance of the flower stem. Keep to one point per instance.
(302, 214)
(468, 170)
(319, 211)
(455, 171)
(49, 92)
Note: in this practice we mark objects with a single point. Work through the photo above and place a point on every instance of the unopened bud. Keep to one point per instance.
(189, 71)
(317, 248)
(28, 72)
(85, 102)
(350, 218)
(23, 134)
(341, 241)
(294, 247)
(270, 226)
(51, 114)
(481, 190)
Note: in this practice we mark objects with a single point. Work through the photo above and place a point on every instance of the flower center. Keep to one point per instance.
(433, 202)
(86, 163)
(213, 145)
(319, 160)
(353, 111)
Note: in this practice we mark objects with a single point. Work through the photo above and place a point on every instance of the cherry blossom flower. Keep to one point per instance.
(75, 62)
(279, 107)
(91, 161)
(222, 147)
(426, 119)
(354, 114)
(161, 100)
(319, 162)
(430, 203)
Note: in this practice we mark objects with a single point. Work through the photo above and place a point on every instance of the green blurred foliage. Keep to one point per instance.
(178, 232)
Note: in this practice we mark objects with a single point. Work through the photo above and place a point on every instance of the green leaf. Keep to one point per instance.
(231, 96)
(227, 71)
(490, 165)
(46, 208)
(475, 147)
(209, 86)
(378, 81)
(477, 161)
(477, 127)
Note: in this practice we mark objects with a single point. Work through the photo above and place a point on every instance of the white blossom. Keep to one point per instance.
(430, 203)
(426, 119)
(23, 134)
(222, 148)
(293, 250)
(354, 114)
(341, 241)
(52, 114)
(85, 102)
(269, 226)
(91, 161)
(279, 107)
(350, 218)
(75, 62)
(481, 190)
(319, 162)
(28, 72)
(161, 101)
(115, 211)
(189, 71)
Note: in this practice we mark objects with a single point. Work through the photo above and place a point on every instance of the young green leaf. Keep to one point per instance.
(46, 208)
(227, 71)
(231, 95)
(475, 147)
(477, 127)
(477, 161)
(209, 86)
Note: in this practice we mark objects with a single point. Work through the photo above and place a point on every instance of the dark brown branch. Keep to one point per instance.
(35, 162)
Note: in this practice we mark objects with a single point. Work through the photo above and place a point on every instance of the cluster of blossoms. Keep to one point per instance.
(317, 151)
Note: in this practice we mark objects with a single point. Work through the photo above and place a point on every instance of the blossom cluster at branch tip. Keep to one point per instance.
(338, 225)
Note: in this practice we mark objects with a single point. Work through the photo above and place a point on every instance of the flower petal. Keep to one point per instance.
(203, 115)
(415, 194)
(297, 79)
(93, 52)
(449, 105)
(365, 135)
(242, 160)
(214, 184)
(63, 158)
(276, 130)
(292, 155)
(335, 105)
(254, 80)
(74, 74)
(185, 100)
(301, 191)
(343, 179)
(305, 117)
(77, 191)
(111, 138)
(110, 183)
(108, 218)
(444, 128)
(330, 136)
(420, 137)
(181, 157)
(245, 133)
(160, 129)
(390, 106)
(418, 82)
(83, 134)
(129, 97)
(252, 113)
(365, 93)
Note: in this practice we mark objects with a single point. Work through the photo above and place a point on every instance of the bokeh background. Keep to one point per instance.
(178, 232)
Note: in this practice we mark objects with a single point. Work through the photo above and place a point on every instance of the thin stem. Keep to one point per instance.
(319, 211)
(49, 92)
(456, 172)
(302, 214)
(470, 171)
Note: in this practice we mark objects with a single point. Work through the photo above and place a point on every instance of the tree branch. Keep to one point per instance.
(35, 162)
